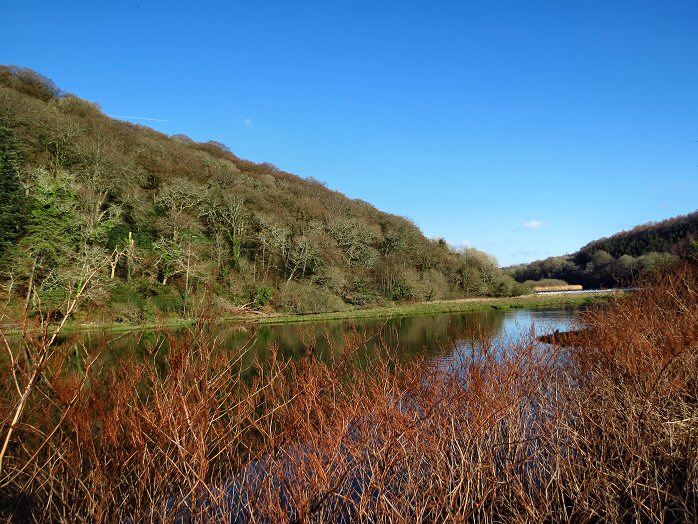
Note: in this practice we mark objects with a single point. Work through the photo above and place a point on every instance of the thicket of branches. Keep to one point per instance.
(605, 431)
(172, 220)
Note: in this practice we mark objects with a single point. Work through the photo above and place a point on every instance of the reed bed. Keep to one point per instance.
(602, 432)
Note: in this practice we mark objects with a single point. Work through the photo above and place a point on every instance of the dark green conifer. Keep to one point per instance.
(12, 199)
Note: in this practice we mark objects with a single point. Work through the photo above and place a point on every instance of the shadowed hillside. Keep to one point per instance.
(159, 224)
(621, 258)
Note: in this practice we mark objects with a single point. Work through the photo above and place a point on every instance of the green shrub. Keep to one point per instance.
(148, 287)
(129, 304)
(402, 290)
(52, 298)
(169, 303)
(123, 293)
(505, 286)
(257, 296)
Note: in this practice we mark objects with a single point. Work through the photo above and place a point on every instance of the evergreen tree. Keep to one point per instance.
(12, 200)
(53, 229)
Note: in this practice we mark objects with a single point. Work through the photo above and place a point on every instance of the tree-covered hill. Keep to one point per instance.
(621, 258)
(165, 222)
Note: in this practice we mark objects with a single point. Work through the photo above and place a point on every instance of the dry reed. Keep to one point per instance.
(602, 432)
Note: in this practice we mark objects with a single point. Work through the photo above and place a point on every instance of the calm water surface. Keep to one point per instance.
(438, 337)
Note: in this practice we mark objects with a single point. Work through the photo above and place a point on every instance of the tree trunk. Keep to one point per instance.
(30, 286)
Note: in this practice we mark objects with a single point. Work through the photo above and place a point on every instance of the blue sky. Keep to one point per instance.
(526, 129)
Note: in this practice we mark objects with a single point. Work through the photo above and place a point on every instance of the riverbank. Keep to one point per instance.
(445, 306)
(403, 310)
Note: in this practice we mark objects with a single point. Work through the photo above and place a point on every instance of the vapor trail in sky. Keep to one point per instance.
(139, 118)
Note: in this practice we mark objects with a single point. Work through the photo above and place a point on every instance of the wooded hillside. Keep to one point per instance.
(619, 259)
(166, 223)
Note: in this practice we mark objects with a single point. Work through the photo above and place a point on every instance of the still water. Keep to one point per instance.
(436, 337)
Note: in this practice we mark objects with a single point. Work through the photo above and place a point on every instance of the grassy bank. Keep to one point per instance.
(441, 306)
(403, 310)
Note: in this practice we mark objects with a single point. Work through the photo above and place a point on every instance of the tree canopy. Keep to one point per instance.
(619, 259)
(174, 221)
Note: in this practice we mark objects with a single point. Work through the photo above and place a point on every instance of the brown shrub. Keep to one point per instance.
(511, 432)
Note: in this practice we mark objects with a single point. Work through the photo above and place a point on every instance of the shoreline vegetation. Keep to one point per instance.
(448, 306)
(551, 299)
(520, 432)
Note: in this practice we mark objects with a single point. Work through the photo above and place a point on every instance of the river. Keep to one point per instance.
(436, 337)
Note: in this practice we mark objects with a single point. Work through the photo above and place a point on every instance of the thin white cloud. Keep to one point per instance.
(534, 224)
(139, 118)
(459, 245)
(248, 121)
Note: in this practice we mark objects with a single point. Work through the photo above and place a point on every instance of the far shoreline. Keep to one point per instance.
(462, 305)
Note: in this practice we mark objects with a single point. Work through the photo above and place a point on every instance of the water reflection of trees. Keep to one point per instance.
(424, 335)
(409, 337)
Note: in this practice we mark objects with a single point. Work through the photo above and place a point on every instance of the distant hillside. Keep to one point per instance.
(170, 223)
(619, 259)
